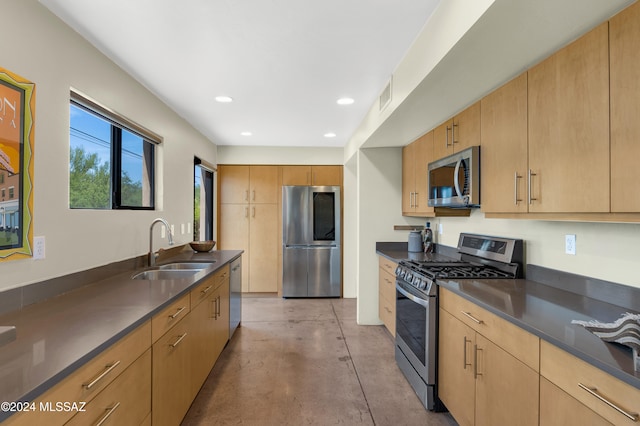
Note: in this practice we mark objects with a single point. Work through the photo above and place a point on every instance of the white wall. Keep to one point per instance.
(279, 155)
(40, 48)
(378, 209)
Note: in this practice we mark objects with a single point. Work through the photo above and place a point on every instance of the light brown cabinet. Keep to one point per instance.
(457, 133)
(89, 381)
(568, 110)
(312, 175)
(172, 391)
(209, 326)
(249, 199)
(482, 356)
(559, 408)
(387, 293)
(504, 159)
(415, 158)
(624, 45)
(603, 395)
(125, 402)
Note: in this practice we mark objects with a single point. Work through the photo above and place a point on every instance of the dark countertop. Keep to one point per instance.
(546, 311)
(59, 335)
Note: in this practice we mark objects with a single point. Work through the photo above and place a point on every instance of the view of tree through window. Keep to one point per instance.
(110, 166)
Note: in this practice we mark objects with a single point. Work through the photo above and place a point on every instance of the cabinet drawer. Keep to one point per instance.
(221, 276)
(169, 316)
(387, 284)
(202, 291)
(387, 313)
(559, 408)
(520, 343)
(126, 401)
(573, 375)
(387, 265)
(85, 383)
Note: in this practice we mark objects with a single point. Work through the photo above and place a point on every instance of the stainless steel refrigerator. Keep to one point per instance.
(311, 241)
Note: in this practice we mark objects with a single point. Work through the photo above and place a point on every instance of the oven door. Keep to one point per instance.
(416, 330)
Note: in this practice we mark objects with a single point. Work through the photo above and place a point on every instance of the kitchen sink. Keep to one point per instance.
(165, 274)
(185, 265)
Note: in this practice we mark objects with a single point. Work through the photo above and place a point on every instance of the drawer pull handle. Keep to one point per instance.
(108, 369)
(177, 342)
(594, 392)
(206, 290)
(476, 373)
(178, 312)
(472, 318)
(107, 414)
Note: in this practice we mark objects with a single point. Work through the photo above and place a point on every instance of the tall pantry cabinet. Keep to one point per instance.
(248, 212)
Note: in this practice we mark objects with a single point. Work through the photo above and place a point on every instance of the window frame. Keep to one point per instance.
(119, 123)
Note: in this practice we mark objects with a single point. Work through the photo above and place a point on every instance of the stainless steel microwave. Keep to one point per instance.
(454, 181)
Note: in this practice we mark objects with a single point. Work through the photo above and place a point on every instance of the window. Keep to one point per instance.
(111, 163)
(203, 202)
(11, 190)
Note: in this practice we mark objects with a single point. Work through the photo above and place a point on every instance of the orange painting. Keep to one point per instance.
(17, 111)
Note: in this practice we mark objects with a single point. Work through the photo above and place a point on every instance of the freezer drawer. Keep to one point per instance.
(311, 271)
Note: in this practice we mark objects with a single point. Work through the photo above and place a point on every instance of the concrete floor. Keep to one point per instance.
(307, 362)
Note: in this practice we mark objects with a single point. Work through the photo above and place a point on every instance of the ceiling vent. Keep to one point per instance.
(385, 96)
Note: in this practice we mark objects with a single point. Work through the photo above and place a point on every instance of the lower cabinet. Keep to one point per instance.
(125, 402)
(595, 395)
(559, 408)
(475, 372)
(171, 374)
(387, 293)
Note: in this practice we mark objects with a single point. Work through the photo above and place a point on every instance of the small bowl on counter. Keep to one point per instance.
(202, 246)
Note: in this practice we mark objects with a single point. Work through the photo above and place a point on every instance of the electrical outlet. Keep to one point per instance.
(173, 230)
(163, 231)
(570, 244)
(440, 229)
(38, 247)
(182, 229)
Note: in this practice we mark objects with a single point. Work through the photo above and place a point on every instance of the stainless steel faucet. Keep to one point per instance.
(152, 255)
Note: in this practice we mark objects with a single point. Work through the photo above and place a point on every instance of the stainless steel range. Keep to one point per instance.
(477, 257)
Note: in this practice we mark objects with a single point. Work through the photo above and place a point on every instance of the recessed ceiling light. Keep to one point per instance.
(345, 101)
(224, 99)
(246, 133)
(330, 135)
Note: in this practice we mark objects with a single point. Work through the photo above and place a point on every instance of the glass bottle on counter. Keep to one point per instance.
(427, 238)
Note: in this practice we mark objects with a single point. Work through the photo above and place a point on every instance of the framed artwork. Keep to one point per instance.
(17, 114)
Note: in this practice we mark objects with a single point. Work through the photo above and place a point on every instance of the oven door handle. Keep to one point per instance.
(418, 300)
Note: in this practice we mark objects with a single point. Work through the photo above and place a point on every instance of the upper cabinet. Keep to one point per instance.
(568, 109)
(458, 133)
(624, 33)
(503, 156)
(312, 175)
(415, 158)
(249, 184)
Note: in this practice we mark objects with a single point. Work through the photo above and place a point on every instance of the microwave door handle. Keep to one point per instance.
(456, 182)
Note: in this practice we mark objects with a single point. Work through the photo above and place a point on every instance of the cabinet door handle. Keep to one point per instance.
(108, 369)
(516, 200)
(253, 212)
(476, 373)
(177, 342)
(594, 392)
(178, 312)
(472, 318)
(246, 195)
(453, 134)
(415, 200)
(464, 352)
(253, 196)
(446, 138)
(109, 412)
(246, 212)
(531, 199)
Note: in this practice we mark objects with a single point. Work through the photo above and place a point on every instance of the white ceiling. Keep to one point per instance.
(284, 62)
